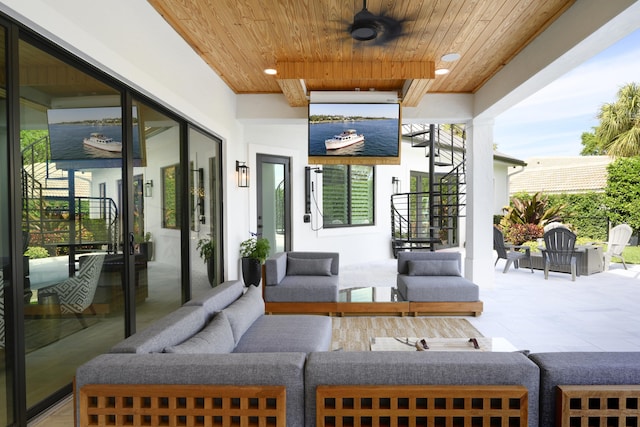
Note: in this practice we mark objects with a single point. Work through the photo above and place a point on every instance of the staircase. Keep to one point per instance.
(53, 216)
(425, 220)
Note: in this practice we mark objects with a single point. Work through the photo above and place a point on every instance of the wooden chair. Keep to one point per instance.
(512, 254)
(560, 250)
(618, 238)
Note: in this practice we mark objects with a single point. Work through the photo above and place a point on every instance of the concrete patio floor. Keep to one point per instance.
(599, 312)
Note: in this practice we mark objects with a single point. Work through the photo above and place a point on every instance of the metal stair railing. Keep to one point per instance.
(448, 204)
(94, 220)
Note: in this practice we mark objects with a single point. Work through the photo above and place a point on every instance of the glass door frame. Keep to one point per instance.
(262, 159)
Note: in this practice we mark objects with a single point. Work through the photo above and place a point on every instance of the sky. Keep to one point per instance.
(551, 122)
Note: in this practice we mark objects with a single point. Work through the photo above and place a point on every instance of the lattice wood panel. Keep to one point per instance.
(182, 405)
(598, 406)
(421, 405)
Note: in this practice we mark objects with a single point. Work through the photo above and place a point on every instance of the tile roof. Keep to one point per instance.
(556, 175)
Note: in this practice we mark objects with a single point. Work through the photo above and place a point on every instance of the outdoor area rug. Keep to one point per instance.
(353, 333)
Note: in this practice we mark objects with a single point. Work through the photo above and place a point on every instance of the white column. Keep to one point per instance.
(479, 235)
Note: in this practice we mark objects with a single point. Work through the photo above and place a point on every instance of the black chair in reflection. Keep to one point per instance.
(76, 293)
(512, 254)
(559, 251)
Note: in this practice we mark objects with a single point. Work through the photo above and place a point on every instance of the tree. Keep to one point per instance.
(623, 191)
(591, 145)
(619, 129)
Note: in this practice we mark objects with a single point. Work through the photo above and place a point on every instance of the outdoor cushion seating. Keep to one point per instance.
(220, 338)
(273, 354)
(302, 277)
(584, 368)
(433, 277)
(512, 254)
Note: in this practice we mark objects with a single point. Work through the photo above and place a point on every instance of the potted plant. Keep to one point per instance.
(254, 252)
(207, 249)
(146, 246)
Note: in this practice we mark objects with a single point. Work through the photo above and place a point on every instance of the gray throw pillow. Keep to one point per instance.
(244, 311)
(216, 337)
(309, 266)
(433, 268)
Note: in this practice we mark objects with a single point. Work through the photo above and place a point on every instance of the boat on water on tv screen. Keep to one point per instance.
(356, 133)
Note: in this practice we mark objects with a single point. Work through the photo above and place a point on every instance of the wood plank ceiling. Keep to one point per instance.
(307, 42)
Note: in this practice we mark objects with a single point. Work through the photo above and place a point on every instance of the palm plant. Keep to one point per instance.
(619, 129)
(535, 210)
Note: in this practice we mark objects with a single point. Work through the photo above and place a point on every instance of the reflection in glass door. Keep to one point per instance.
(6, 402)
(157, 214)
(274, 207)
(204, 203)
(71, 142)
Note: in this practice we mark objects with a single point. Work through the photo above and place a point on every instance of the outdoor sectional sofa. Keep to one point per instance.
(432, 281)
(218, 359)
(302, 277)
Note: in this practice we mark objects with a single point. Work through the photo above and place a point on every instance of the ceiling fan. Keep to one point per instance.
(381, 28)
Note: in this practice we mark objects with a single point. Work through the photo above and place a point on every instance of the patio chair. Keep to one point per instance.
(512, 254)
(560, 251)
(76, 293)
(618, 238)
(553, 225)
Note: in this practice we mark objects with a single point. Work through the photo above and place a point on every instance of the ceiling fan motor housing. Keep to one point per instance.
(364, 26)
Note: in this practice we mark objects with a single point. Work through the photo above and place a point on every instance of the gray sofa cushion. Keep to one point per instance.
(244, 311)
(304, 289)
(216, 337)
(308, 267)
(169, 330)
(285, 369)
(578, 368)
(335, 258)
(218, 298)
(275, 268)
(433, 268)
(405, 257)
(407, 367)
(295, 333)
(437, 288)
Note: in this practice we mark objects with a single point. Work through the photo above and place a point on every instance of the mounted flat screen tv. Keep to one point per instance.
(354, 133)
(82, 138)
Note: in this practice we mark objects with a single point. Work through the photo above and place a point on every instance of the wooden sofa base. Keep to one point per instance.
(181, 405)
(402, 308)
(421, 405)
(600, 405)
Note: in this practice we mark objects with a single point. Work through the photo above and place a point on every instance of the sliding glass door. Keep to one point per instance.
(72, 147)
(104, 199)
(6, 403)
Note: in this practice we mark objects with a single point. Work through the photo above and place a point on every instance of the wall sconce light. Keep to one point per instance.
(242, 170)
(395, 184)
(148, 188)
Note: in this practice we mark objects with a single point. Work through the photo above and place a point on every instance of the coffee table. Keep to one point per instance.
(441, 344)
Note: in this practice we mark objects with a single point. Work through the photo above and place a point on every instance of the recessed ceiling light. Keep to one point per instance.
(450, 57)
(271, 71)
(442, 71)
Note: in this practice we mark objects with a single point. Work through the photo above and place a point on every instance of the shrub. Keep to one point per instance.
(35, 252)
(531, 210)
(520, 233)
